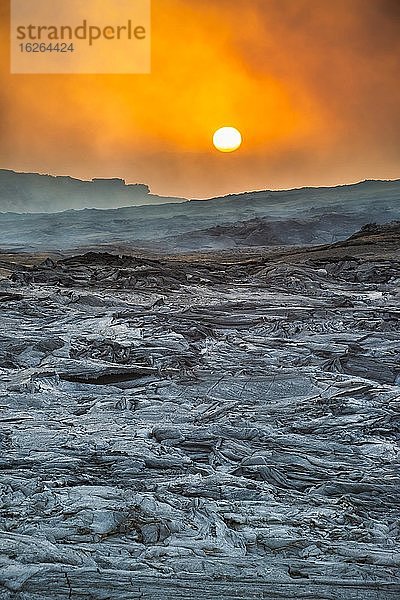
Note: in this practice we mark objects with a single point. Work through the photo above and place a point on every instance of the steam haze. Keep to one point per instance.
(313, 87)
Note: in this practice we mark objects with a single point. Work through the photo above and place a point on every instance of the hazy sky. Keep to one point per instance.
(313, 86)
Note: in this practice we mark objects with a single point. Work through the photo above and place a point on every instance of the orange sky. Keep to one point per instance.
(312, 85)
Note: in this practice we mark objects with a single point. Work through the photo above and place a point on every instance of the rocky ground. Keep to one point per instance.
(210, 425)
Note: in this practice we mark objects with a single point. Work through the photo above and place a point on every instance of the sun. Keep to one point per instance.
(227, 139)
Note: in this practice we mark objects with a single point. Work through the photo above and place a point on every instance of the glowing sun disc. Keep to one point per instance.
(227, 139)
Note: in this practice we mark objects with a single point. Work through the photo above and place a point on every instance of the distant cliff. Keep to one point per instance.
(264, 218)
(31, 192)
